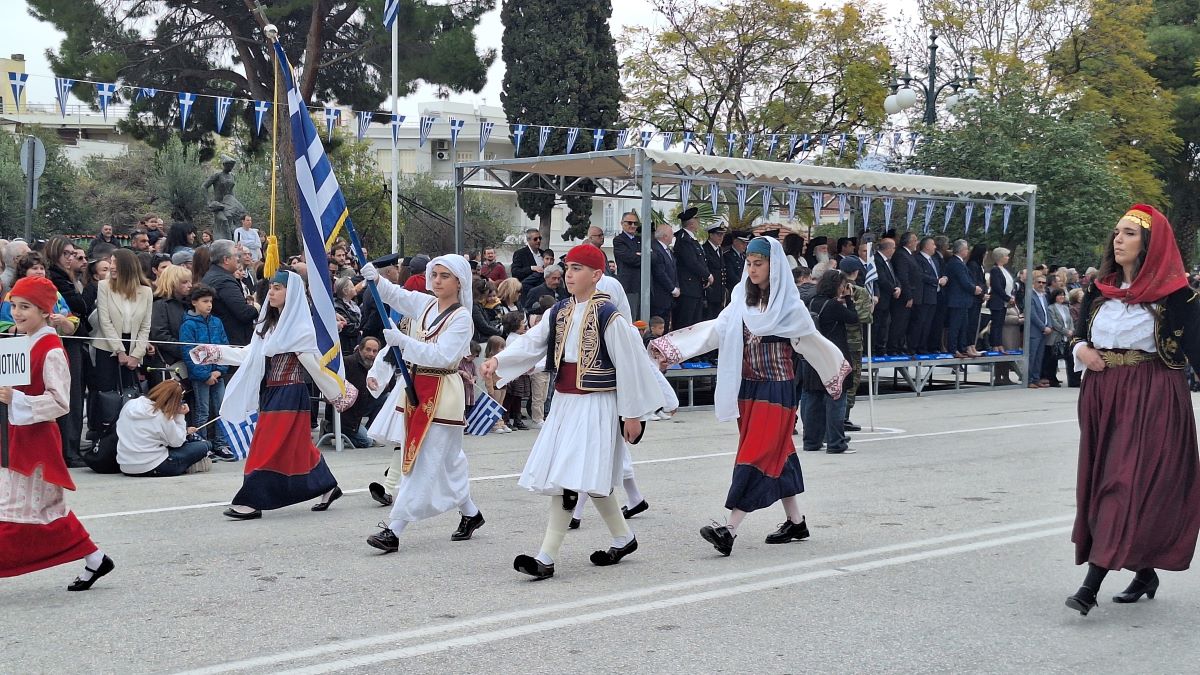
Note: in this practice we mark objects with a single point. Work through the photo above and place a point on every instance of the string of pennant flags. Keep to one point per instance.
(792, 145)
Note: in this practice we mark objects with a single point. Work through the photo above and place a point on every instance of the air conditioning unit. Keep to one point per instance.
(442, 155)
(441, 145)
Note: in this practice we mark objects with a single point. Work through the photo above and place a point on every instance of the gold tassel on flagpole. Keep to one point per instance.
(271, 260)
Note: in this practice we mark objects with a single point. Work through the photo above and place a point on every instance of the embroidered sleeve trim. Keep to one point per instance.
(834, 384)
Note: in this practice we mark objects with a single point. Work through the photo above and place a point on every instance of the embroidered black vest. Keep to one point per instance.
(595, 371)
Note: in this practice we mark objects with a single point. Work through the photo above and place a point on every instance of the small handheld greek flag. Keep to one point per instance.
(239, 435)
(484, 415)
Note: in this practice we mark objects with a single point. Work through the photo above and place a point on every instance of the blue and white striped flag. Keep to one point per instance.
(912, 211)
(332, 115)
(970, 207)
(456, 127)
(748, 151)
(842, 145)
(484, 415)
(714, 195)
(766, 200)
(485, 132)
(239, 435)
(622, 137)
(871, 280)
(390, 9)
(147, 92)
(688, 136)
(1007, 214)
(792, 198)
(818, 200)
(364, 122)
(878, 143)
(543, 137)
(862, 141)
(771, 145)
(824, 143)
(948, 215)
(223, 104)
(572, 136)
(647, 136)
(323, 214)
(397, 120)
(186, 101)
(426, 125)
(685, 191)
(888, 203)
(793, 140)
(17, 82)
(865, 203)
(518, 134)
(730, 143)
(62, 89)
(841, 201)
(710, 143)
(104, 94)
(741, 189)
(929, 205)
(668, 138)
(598, 139)
(804, 142)
(987, 216)
(261, 108)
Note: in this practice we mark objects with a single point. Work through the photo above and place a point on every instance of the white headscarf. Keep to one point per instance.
(294, 333)
(616, 293)
(784, 316)
(459, 266)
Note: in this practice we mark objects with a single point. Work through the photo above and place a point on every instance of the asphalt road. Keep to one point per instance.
(942, 546)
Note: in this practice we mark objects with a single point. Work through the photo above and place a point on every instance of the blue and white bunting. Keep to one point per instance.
(483, 416)
(518, 135)
(714, 195)
(842, 146)
(104, 94)
(987, 216)
(147, 92)
(688, 136)
(878, 143)
(841, 202)
(426, 126)
(772, 144)
(804, 138)
(888, 203)
(261, 108)
(622, 138)
(818, 205)
(62, 89)
(897, 141)
(864, 203)
(710, 144)
(186, 101)
(913, 137)
(749, 149)
(862, 140)
(668, 137)
(598, 139)
(824, 143)
(948, 215)
(970, 210)
(572, 136)
(485, 132)
(685, 191)
(17, 81)
(456, 127)
(730, 143)
(647, 136)
(766, 201)
(331, 119)
(791, 152)
(1007, 215)
(223, 104)
(929, 205)
(792, 198)
(397, 120)
(364, 118)
(741, 189)
(911, 207)
(543, 136)
(391, 8)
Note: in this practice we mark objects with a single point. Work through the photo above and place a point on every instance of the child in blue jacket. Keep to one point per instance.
(200, 327)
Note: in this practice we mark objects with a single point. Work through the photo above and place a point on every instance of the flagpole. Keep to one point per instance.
(395, 149)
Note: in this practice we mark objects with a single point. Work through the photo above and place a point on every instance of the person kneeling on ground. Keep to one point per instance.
(152, 435)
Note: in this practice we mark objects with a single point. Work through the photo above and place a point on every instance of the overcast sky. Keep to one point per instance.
(22, 34)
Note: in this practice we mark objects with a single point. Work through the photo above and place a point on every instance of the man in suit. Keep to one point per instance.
(664, 279)
(694, 277)
(627, 250)
(908, 277)
(925, 300)
(714, 295)
(1039, 328)
(888, 290)
(734, 258)
(961, 292)
(528, 260)
(937, 329)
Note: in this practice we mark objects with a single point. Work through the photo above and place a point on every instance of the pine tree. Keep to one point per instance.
(560, 69)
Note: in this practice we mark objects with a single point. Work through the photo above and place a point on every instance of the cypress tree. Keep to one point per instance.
(561, 69)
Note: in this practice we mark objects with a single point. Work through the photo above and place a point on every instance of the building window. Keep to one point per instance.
(407, 161)
(461, 156)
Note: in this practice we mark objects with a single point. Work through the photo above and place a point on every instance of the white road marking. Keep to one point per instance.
(503, 476)
(725, 585)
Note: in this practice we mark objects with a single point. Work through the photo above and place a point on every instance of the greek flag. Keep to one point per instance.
(668, 138)
(687, 139)
(484, 415)
(104, 94)
(518, 134)
(766, 201)
(841, 201)
(842, 146)
(865, 203)
(709, 143)
(239, 435)
(572, 136)
(970, 211)
(714, 195)
(543, 136)
(818, 200)
(749, 149)
(147, 92)
(397, 120)
(948, 215)
(186, 101)
(223, 104)
(824, 143)
(17, 82)
(987, 216)
(928, 216)
(485, 132)
(331, 117)
(323, 214)
(871, 280)
(741, 199)
(771, 145)
(647, 136)
(426, 125)
(364, 122)
(390, 9)
(730, 142)
(622, 137)
(888, 203)
(685, 191)
(62, 89)
(792, 198)
(804, 143)
(1007, 214)
(912, 211)
(598, 139)
(456, 127)
(862, 140)
(261, 108)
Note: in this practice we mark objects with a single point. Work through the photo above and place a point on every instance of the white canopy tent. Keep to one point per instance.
(655, 175)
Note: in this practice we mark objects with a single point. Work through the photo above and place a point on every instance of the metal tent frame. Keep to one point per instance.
(653, 175)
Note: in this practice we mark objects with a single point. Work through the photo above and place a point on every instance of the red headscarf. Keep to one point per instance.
(1161, 274)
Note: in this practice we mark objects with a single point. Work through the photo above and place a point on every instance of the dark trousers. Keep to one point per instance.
(897, 340)
(937, 328)
(919, 327)
(179, 459)
(824, 420)
(956, 335)
(1050, 365)
(881, 324)
(712, 308)
(635, 305)
(996, 332)
(688, 312)
(1036, 354)
(973, 326)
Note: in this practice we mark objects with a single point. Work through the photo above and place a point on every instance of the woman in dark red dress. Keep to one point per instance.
(1138, 492)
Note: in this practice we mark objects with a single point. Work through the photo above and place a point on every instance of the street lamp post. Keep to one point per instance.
(904, 88)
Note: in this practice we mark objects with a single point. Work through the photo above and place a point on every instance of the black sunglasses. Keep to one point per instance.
(629, 222)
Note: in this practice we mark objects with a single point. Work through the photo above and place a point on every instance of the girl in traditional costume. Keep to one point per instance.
(604, 385)
(1138, 489)
(37, 530)
(283, 466)
(758, 333)
(429, 472)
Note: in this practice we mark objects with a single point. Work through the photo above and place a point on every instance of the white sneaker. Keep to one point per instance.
(664, 415)
(536, 425)
(502, 430)
(654, 417)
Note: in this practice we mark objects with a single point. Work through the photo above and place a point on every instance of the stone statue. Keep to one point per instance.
(227, 210)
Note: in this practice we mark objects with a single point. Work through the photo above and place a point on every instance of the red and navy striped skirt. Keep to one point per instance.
(767, 467)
